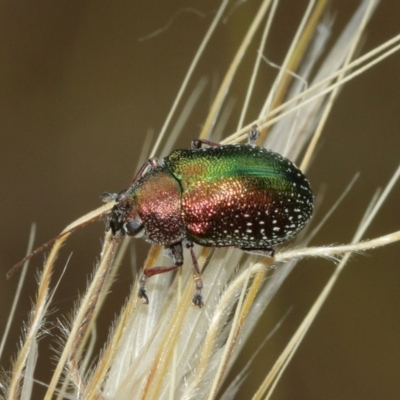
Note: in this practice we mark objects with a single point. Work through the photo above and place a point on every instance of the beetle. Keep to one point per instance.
(214, 195)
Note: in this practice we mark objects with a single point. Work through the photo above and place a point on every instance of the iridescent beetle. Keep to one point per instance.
(240, 195)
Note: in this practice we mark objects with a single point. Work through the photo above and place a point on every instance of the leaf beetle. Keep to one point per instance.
(240, 195)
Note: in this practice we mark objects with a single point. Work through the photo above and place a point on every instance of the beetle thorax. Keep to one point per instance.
(156, 200)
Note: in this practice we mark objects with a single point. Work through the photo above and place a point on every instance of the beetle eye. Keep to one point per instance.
(133, 227)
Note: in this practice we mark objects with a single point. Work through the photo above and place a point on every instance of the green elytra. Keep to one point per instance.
(240, 195)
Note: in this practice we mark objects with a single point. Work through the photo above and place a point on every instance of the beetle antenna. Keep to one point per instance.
(44, 246)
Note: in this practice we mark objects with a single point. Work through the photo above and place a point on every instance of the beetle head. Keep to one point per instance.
(124, 219)
(120, 224)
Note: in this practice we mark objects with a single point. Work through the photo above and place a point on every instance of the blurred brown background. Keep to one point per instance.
(79, 94)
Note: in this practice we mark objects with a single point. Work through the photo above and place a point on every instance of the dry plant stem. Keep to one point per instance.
(108, 355)
(301, 331)
(38, 315)
(329, 89)
(174, 361)
(41, 304)
(242, 133)
(82, 322)
(327, 252)
(95, 215)
(233, 334)
(220, 311)
(294, 55)
(190, 104)
(272, 378)
(330, 212)
(332, 251)
(18, 291)
(91, 310)
(285, 74)
(224, 88)
(245, 303)
(340, 72)
(257, 63)
(102, 368)
(189, 74)
(101, 211)
(110, 279)
(78, 224)
(154, 379)
(334, 93)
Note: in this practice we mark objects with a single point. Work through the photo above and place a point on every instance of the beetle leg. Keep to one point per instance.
(176, 253)
(268, 251)
(198, 143)
(152, 162)
(253, 135)
(198, 298)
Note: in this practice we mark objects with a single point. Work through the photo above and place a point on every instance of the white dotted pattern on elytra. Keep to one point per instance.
(220, 218)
